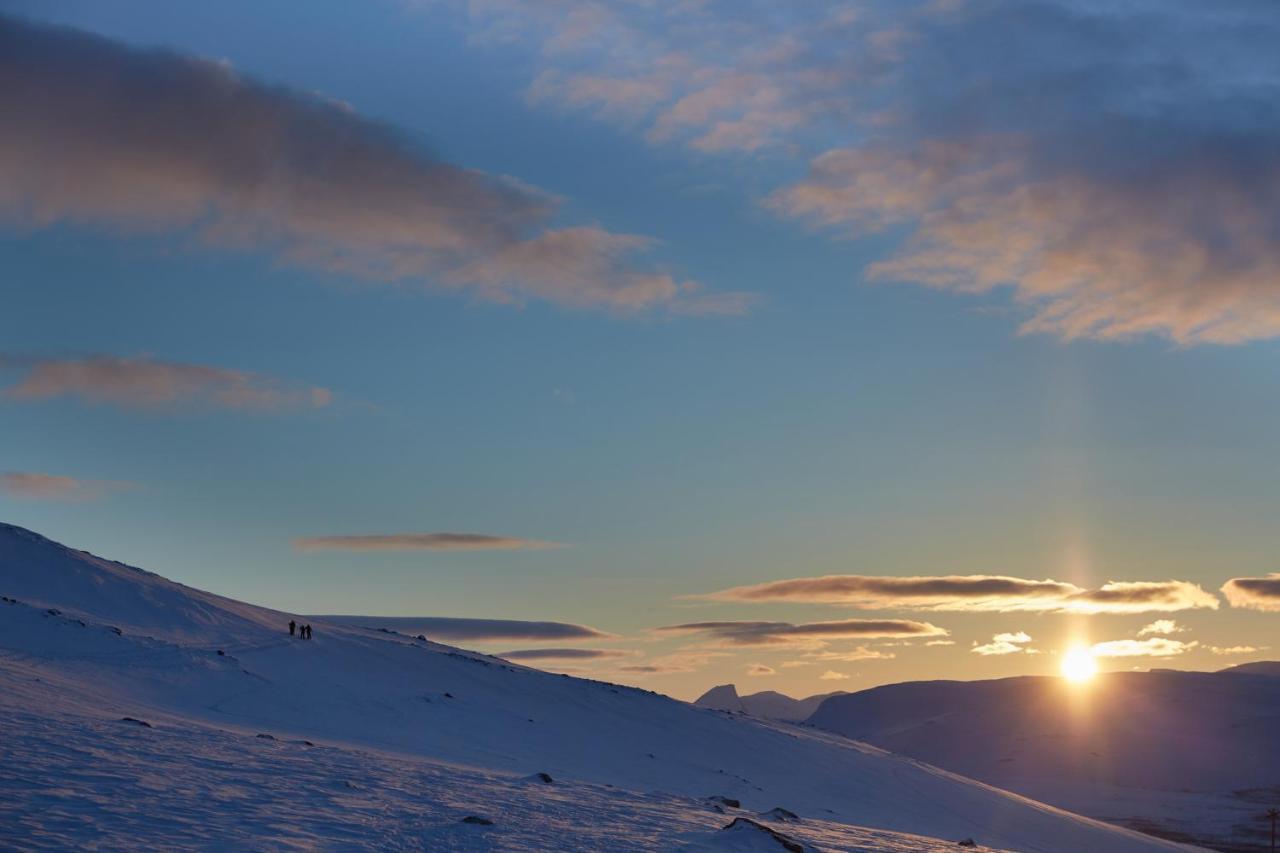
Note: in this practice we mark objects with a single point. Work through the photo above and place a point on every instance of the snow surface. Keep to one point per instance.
(409, 737)
(1189, 754)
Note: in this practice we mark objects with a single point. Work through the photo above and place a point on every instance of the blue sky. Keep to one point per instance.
(1082, 397)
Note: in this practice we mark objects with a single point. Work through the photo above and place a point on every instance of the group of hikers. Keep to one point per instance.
(303, 631)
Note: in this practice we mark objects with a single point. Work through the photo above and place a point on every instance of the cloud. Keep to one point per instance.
(1254, 593)
(143, 382)
(564, 654)
(975, 593)
(941, 643)
(453, 629)
(1047, 151)
(104, 135)
(29, 485)
(1161, 627)
(1235, 650)
(1005, 644)
(759, 669)
(685, 660)
(420, 542)
(1078, 211)
(860, 653)
(832, 675)
(808, 633)
(1156, 647)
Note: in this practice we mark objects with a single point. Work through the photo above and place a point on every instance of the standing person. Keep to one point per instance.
(292, 625)
(308, 631)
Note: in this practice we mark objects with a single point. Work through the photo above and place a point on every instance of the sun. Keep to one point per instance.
(1078, 665)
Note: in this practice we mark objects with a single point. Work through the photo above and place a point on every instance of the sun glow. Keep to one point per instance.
(1078, 665)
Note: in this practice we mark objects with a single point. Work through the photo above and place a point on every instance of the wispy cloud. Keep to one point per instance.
(1054, 171)
(421, 542)
(1156, 647)
(454, 629)
(685, 660)
(759, 669)
(1235, 650)
(832, 675)
(152, 141)
(807, 633)
(565, 654)
(975, 593)
(144, 382)
(29, 485)
(1254, 593)
(849, 655)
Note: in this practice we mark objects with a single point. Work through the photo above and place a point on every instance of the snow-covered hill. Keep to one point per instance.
(364, 738)
(1187, 753)
(769, 704)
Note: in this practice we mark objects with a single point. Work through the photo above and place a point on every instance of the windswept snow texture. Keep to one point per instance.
(1192, 755)
(769, 704)
(409, 737)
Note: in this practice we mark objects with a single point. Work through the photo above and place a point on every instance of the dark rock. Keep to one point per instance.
(967, 842)
(781, 815)
(267, 737)
(448, 695)
(544, 778)
(53, 612)
(726, 801)
(221, 653)
(136, 722)
(478, 821)
(422, 638)
(786, 842)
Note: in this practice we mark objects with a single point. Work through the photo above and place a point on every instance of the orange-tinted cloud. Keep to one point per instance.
(1254, 593)
(1005, 644)
(105, 135)
(975, 593)
(806, 633)
(759, 669)
(54, 487)
(564, 654)
(421, 542)
(1157, 647)
(149, 383)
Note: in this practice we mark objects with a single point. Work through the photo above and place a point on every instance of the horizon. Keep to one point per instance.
(728, 345)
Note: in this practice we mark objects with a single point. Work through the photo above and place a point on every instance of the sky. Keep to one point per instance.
(807, 347)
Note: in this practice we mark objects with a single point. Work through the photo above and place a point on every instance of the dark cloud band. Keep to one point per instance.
(476, 630)
(975, 593)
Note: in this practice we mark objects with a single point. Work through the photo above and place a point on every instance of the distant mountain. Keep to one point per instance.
(1176, 751)
(768, 704)
(722, 698)
(1260, 667)
(112, 678)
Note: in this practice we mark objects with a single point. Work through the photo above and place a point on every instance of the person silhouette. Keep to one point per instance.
(292, 626)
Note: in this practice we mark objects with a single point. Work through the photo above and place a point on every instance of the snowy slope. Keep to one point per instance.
(1192, 753)
(769, 704)
(476, 727)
